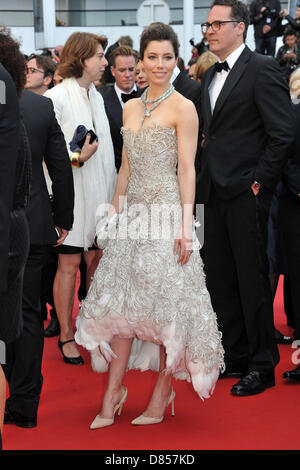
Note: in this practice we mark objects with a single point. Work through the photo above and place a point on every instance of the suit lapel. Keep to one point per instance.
(116, 107)
(232, 79)
(206, 98)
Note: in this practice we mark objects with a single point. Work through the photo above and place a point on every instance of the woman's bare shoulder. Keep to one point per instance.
(184, 110)
(131, 104)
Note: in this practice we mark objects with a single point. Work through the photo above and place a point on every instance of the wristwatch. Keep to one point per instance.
(76, 163)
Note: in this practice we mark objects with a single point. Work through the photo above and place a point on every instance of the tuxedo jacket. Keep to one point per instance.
(114, 112)
(191, 89)
(9, 144)
(47, 143)
(289, 201)
(249, 134)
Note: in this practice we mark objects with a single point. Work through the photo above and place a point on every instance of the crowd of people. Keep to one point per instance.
(92, 135)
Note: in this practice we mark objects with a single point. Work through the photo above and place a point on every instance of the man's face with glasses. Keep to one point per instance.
(223, 33)
(35, 78)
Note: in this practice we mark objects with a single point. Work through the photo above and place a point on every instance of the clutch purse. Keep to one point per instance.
(79, 137)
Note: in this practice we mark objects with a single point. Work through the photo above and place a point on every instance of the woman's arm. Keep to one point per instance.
(121, 185)
(187, 134)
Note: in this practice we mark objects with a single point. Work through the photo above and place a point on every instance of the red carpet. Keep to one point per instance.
(72, 397)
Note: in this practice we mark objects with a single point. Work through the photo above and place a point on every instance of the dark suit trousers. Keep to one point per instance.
(292, 247)
(236, 266)
(24, 356)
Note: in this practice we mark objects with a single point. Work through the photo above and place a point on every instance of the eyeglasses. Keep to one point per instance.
(215, 25)
(31, 70)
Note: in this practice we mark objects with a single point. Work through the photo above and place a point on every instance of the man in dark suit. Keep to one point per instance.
(289, 224)
(248, 128)
(9, 137)
(9, 143)
(24, 356)
(123, 59)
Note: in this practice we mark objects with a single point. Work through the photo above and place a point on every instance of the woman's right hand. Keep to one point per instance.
(88, 149)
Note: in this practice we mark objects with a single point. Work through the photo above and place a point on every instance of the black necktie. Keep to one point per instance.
(125, 97)
(219, 66)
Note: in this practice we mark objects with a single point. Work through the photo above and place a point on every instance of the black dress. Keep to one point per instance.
(11, 299)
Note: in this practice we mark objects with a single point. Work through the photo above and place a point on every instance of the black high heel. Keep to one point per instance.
(76, 361)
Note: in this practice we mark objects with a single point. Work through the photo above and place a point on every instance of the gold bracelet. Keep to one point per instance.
(76, 163)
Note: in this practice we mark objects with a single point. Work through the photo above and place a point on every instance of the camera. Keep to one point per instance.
(267, 11)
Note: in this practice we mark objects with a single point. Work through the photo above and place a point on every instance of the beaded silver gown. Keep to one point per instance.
(139, 290)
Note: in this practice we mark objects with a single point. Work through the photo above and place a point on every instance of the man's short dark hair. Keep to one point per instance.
(239, 11)
(289, 32)
(46, 64)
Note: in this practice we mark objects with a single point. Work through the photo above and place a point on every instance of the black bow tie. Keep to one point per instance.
(219, 66)
(125, 97)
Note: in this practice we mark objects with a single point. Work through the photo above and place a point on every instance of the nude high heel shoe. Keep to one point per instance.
(149, 420)
(100, 422)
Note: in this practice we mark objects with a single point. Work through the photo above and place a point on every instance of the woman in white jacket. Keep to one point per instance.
(77, 102)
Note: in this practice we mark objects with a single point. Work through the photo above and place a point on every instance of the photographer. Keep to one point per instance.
(293, 23)
(265, 16)
(288, 56)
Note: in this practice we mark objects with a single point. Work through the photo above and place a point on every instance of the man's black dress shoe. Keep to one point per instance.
(281, 339)
(53, 329)
(75, 361)
(13, 417)
(252, 383)
(292, 374)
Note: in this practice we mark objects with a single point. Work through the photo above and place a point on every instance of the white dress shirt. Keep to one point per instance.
(175, 74)
(218, 81)
(119, 92)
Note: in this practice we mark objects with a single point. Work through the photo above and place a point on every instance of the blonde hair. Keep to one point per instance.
(295, 84)
(205, 61)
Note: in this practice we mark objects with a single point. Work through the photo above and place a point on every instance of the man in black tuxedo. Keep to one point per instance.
(24, 356)
(123, 59)
(248, 128)
(289, 224)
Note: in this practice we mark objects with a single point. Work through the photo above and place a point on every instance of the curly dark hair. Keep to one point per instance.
(12, 59)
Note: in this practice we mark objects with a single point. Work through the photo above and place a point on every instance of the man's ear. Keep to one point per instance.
(47, 80)
(112, 69)
(241, 27)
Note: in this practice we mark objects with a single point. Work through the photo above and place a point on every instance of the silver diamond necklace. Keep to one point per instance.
(156, 101)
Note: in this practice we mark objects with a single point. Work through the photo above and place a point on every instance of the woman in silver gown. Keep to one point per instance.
(150, 283)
